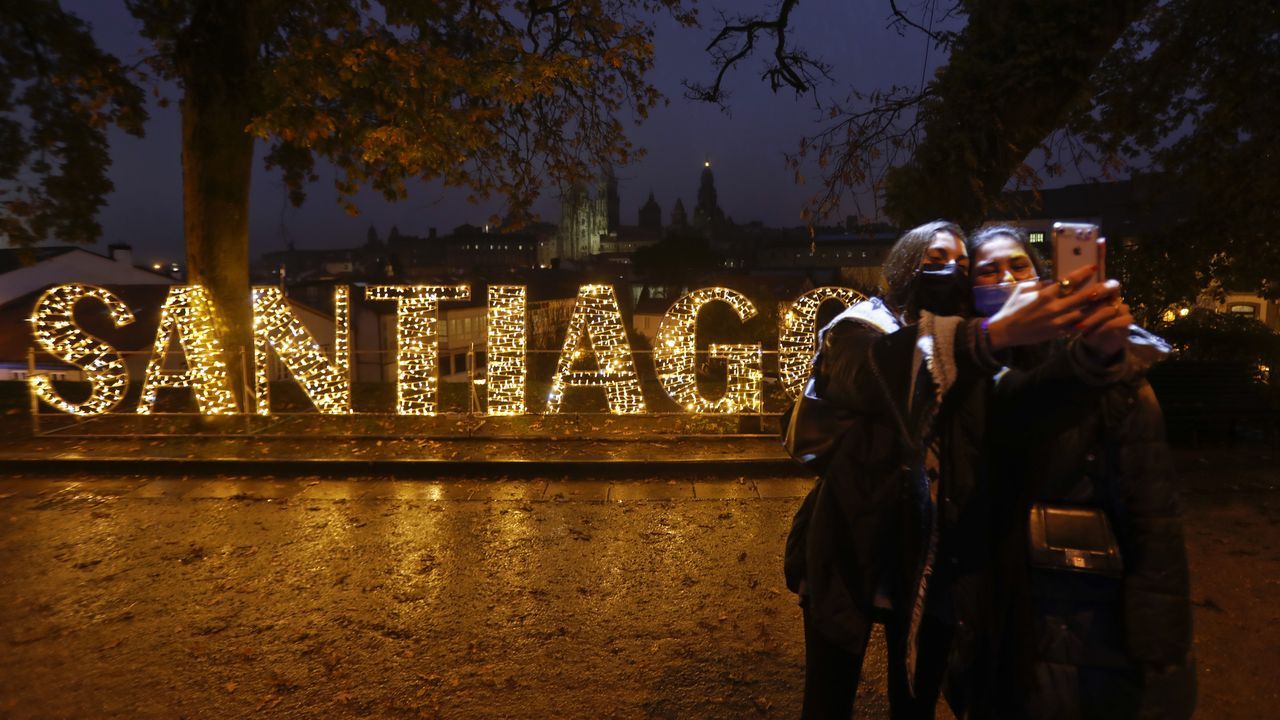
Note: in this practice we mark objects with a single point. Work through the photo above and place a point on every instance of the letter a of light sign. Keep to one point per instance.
(188, 312)
(595, 328)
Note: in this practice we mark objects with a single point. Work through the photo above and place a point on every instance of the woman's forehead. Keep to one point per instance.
(998, 248)
(945, 239)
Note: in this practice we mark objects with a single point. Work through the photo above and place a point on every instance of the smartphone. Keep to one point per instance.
(1075, 245)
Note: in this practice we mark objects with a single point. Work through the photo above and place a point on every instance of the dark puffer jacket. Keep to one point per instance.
(865, 529)
(827, 409)
(1066, 644)
(1034, 428)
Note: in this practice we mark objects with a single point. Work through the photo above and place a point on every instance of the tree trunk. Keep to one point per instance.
(1015, 73)
(217, 163)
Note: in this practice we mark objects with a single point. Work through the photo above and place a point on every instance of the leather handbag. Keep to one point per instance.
(1073, 538)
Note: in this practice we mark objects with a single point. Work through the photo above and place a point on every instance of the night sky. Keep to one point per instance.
(746, 146)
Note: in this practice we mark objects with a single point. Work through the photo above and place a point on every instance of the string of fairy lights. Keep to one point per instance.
(596, 332)
(596, 352)
(417, 341)
(57, 333)
(275, 327)
(188, 313)
(505, 359)
(744, 376)
(797, 338)
(675, 356)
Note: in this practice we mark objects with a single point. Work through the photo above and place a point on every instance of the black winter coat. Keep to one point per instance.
(828, 408)
(864, 526)
(867, 524)
(1072, 645)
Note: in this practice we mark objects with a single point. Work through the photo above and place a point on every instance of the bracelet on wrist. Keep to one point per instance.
(982, 345)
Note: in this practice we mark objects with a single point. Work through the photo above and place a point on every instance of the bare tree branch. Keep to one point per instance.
(898, 19)
(853, 153)
(789, 66)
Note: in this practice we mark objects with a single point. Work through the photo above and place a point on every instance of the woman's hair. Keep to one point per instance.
(984, 235)
(903, 260)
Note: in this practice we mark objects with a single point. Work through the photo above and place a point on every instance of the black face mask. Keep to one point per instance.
(942, 289)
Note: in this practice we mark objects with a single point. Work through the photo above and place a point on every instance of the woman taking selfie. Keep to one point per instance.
(1084, 611)
(909, 477)
(850, 555)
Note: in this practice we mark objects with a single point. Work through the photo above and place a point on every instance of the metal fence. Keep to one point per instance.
(461, 399)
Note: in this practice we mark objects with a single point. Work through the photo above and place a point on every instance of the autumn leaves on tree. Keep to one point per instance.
(499, 96)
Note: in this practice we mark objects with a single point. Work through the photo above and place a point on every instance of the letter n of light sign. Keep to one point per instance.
(276, 326)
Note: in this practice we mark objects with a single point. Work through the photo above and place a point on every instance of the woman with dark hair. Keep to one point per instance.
(1084, 609)
(825, 406)
(889, 533)
(928, 264)
(1007, 259)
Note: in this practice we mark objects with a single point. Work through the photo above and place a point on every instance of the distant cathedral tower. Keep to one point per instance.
(586, 216)
(707, 214)
(651, 214)
(613, 206)
(679, 218)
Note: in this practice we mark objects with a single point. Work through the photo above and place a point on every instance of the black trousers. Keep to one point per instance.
(831, 672)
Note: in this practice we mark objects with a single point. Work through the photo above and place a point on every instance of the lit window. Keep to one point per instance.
(1245, 310)
(1036, 237)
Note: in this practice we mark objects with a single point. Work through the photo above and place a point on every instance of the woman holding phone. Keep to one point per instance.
(856, 544)
(1084, 611)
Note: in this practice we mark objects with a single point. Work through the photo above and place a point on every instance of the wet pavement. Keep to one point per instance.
(552, 597)
(344, 456)
(566, 596)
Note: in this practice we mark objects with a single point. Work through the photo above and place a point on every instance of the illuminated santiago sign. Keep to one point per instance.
(595, 332)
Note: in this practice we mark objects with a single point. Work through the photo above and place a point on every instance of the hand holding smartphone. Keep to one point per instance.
(1076, 246)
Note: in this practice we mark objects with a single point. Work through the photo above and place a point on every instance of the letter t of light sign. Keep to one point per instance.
(417, 341)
